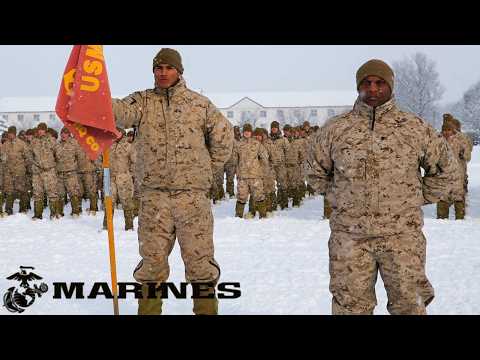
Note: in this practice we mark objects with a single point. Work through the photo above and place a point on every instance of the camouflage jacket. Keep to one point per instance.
(183, 138)
(280, 147)
(85, 165)
(232, 162)
(268, 166)
(15, 157)
(457, 146)
(467, 146)
(122, 158)
(303, 143)
(368, 162)
(251, 158)
(42, 154)
(67, 154)
(295, 154)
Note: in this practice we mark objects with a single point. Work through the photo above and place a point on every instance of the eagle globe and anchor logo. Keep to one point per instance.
(17, 299)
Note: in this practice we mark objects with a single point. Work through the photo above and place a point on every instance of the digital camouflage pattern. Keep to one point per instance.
(122, 167)
(166, 215)
(66, 155)
(183, 138)
(369, 164)
(15, 164)
(251, 158)
(355, 261)
(41, 155)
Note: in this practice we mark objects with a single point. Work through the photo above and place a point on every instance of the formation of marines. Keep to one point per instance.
(270, 169)
(40, 166)
(366, 164)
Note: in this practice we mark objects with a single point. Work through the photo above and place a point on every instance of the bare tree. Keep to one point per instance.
(418, 88)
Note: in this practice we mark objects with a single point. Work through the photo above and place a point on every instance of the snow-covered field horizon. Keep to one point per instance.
(281, 262)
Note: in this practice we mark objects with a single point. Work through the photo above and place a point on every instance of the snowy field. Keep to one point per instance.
(281, 263)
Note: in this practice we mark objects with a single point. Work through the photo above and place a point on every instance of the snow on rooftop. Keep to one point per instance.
(286, 99)
(221, 100)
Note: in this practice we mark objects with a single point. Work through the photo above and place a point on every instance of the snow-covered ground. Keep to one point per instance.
(281, 263)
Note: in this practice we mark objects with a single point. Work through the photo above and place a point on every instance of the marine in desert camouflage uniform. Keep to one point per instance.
(370, 159)
(41, 156)
(67, 153)
(122, 167)
(460, 151)
(183, 140)
(251, 157)
(15, 160)
(280, 146)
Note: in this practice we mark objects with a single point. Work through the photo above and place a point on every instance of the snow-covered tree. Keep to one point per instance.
(418, 88)
(467, 109)
(471, 108)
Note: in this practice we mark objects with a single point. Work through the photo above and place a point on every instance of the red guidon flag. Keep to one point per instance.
(84, 103)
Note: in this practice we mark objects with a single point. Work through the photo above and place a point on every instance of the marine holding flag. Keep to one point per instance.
(183, 140)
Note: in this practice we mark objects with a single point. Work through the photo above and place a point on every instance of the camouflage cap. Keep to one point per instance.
(447, 116)
(378, 68)
(65, 130)
(12, 130)
(30, 132)
(258, 132)
(52, 132)
(306, 123)
(168, 56)
(42, 126)
(275, 124)
(287, 127)
(247, 127)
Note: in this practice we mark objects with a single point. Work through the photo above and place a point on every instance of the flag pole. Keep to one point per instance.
(109, 215)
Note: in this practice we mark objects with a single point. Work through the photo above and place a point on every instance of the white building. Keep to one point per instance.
(261, 108)
(257, 108)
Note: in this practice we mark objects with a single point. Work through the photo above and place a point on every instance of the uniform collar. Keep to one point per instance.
(176, 89)
(366, 110)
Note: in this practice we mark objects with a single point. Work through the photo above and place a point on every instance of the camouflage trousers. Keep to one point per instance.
(254, 187)
(88, 184)
(136, 188)
(122, 189)
(230, 171)
(68, 184)
(281, 177)
(45, 183)
(294, 176)
(269, 184)
(14, 183)
(218, 177)
(166, 216)
(355, 262)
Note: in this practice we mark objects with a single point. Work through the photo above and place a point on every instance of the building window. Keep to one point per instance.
(5, 117)
(314, 112)
(20, 117)
(331, 112)
(230, 114)
(263, 114)
(52, 117)
(36, 117)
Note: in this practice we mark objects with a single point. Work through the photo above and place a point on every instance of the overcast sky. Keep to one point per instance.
(36, 70)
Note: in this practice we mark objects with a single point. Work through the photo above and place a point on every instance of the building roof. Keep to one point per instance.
(285, 98)
(221, 100)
